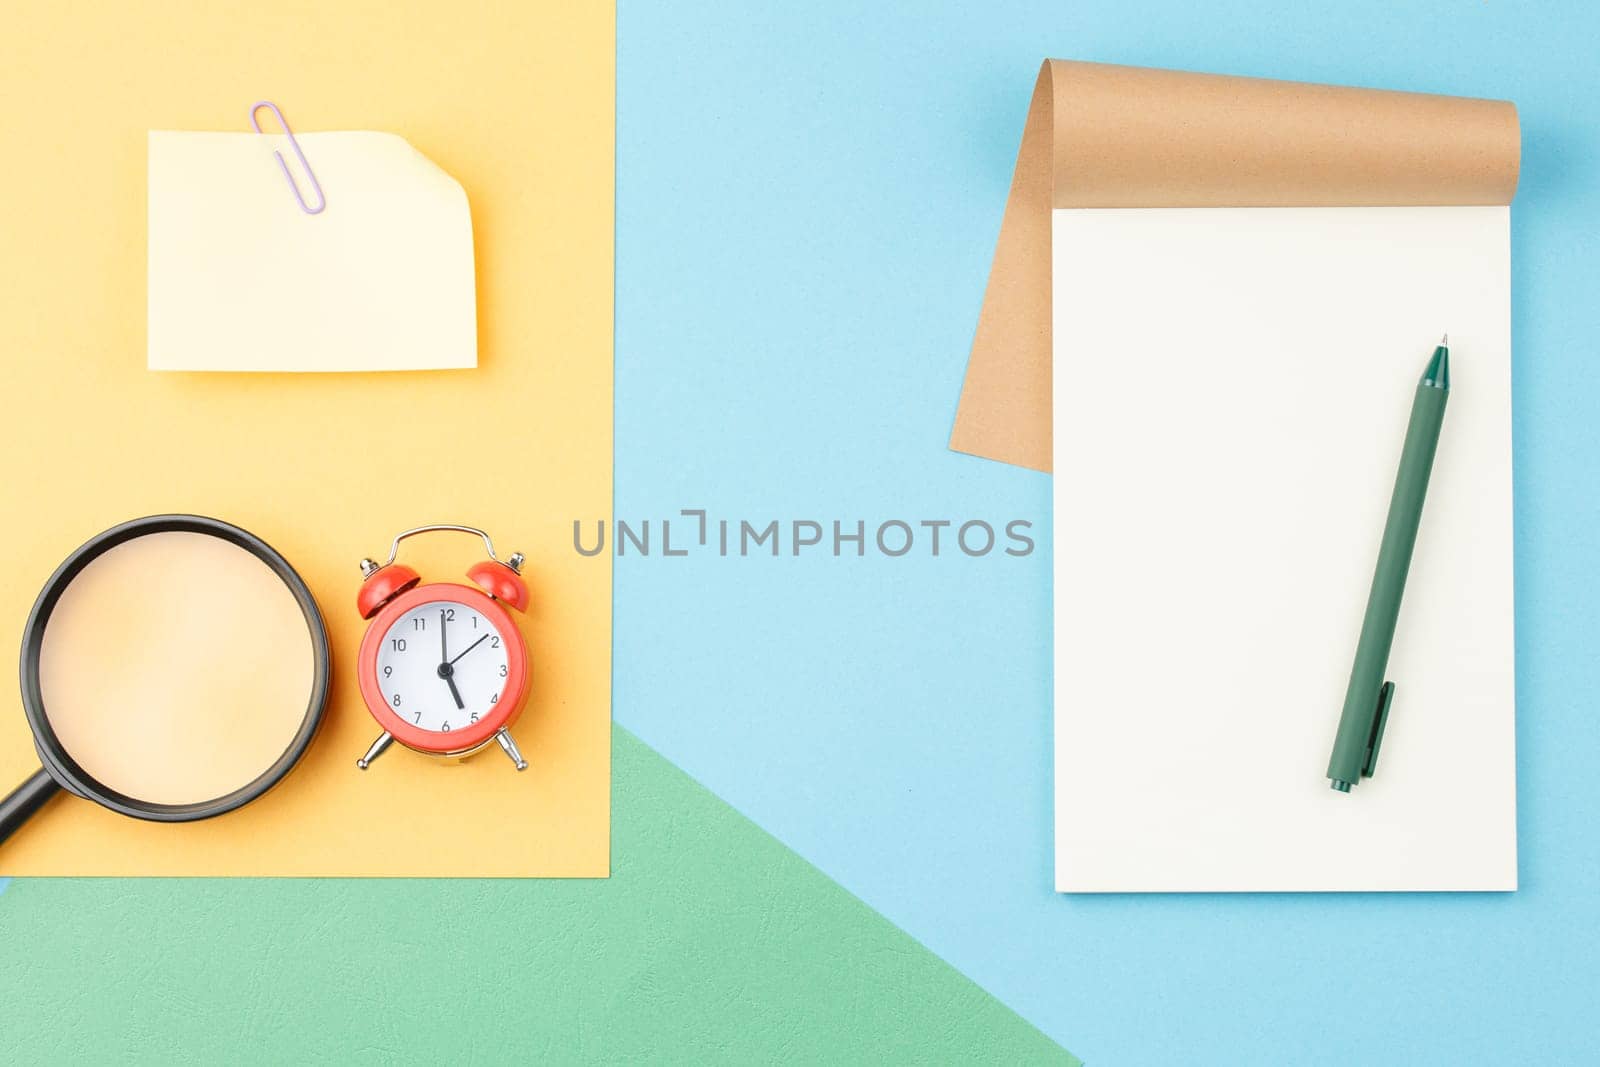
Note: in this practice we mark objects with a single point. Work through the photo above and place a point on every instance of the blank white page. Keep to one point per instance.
(1231, 392)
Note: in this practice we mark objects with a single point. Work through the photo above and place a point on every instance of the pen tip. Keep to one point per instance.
(1438, 372)
(1444, 342)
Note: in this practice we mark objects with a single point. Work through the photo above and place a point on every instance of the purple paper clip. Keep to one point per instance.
(283, 165)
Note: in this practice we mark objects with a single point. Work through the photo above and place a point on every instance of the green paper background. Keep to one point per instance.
(711, 942)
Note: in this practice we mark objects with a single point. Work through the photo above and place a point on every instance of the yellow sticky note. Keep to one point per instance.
(242, 279)
(514, 102)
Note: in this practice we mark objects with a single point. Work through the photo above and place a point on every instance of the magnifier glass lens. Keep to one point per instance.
(176, 668)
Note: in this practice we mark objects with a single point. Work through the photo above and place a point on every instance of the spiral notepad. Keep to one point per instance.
(1207, 310)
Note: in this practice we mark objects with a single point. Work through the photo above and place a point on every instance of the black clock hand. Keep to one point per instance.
(451, 682)
(445, 670)
(469, 648)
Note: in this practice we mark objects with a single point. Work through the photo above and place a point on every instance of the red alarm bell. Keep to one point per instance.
(443, 668)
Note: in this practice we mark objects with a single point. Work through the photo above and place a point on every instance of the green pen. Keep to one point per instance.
(1366, 702)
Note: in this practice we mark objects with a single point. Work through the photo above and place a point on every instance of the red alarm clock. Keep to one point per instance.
(443, 668)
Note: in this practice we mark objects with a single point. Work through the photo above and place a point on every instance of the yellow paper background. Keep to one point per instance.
(516, 102)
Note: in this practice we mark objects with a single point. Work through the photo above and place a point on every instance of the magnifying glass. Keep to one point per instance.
(173, 668)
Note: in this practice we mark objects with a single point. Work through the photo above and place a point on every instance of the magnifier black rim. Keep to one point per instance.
(53, 754)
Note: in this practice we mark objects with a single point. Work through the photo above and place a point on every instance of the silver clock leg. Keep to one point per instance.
(375, 751)
(510, 747)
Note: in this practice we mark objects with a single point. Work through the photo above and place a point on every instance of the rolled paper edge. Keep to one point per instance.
(1139, 137)
(1104, 136)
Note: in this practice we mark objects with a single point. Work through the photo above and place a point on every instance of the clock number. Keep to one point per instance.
(398, 644)
(474, 622)
(494, 642)
(449, 614)
(502, 670)
(444, 728)
(474, 716)
(387, 671)
(419, 623)
(397, 700)
(418, 718)
(495, 699)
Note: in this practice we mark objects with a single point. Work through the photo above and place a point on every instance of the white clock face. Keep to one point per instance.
(442, 666)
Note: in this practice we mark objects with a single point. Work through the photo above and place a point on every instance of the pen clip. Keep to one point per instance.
(1375, 738)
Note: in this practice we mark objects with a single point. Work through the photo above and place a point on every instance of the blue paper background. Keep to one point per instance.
(808, 197)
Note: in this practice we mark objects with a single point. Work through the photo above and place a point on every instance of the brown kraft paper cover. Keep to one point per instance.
(1109, 136)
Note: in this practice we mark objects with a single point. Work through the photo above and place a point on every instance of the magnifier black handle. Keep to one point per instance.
(24, 800)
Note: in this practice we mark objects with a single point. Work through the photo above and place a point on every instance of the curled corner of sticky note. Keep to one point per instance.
(242, 278)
